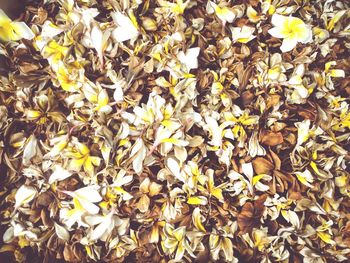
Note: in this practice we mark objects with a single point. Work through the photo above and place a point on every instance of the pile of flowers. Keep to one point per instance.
(175, 131)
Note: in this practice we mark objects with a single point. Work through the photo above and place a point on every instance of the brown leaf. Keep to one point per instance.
(276, 160)
(262, 166)
(247, 97)
(272, 100)
(251, 213)
(271, 138)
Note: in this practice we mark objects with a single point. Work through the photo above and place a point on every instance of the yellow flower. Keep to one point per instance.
(324, 232)
(218, 243)
(253, 15)
(82, 158)
(174, 241)
(210, 188)
(335, 73)
(197, 219)
(305, 178)
(291, 29)
(55, 53)
(242, 34)
(177, 8)
(344, 121)
(97, 96)
(225, 14)
(70, 77)
(13, 31)
(261, 239)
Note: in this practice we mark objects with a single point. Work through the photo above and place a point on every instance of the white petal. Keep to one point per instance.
(61, 232)
(276, 32)
(215, 131)
(247, 169)
(104, 228)
(190, 58)
(308, 35)
(174, 167)
(59, 174)
(118, 94)
(210, 7)
(288, 44)
(96, 39)
(23, 30)
(30, 150)
(49, 30)
(9, 233)
(125, 30)
(139, 152)
(88, 206)
(89, 193)
(24, 195)
(278, 20)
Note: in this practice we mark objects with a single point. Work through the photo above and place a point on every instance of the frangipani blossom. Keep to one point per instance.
(242, 35)
(225, 14)
(291, 29)
(86, 197)
(81, 158)
(12, 30)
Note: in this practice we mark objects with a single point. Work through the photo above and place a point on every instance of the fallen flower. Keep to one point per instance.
(291, 29)
(13, 30)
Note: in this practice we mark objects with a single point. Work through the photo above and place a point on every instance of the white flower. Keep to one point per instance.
(13, 30)
(225, 14)
(291, 29)
(242, 34)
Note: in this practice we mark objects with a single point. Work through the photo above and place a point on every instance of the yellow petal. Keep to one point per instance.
(175, 141)
(83, 149)
(32, 114)
(217, 192)
(337, 73)
(314, 167)
(154, 234)
(179, 233)
(88, 167)
(335, 19)
(95, 160)
(327, 238)
(196, 218)
(76, 164)
(197, 200)
(103, 98)
(257, 178)
(341, 181)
